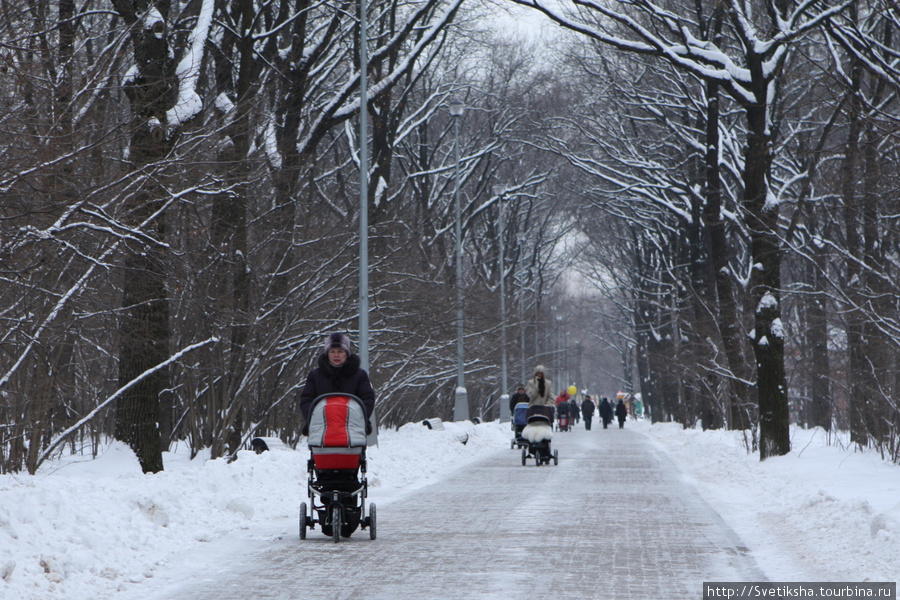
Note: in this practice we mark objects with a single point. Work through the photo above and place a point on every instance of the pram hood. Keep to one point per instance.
(337, 421)
(519, 415)
(539, 414)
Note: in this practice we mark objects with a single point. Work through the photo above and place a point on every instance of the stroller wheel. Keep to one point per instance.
(336, 522)
(372, 521)
(303, 520)
(524, 456)
(555, 457)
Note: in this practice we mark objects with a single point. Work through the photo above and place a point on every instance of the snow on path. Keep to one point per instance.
(613, 520)
(99, 529)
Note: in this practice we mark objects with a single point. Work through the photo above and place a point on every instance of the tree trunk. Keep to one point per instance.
(855, 319)
(817, 338)
(879, 297)
(229, 230)
(765, 289)
(730, 328)
(143, 324)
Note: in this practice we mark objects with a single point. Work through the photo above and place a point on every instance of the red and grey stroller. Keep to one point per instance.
(336, 483)
(537, 434)
(519, 421)
(562, 416)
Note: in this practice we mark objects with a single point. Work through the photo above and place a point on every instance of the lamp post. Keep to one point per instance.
(559, 351)
(504, 396)
(461, 404)
(364, 205)
(363, 195)
(520, 238)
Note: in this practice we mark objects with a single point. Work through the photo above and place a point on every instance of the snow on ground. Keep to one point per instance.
(94, 529)
(820, 513)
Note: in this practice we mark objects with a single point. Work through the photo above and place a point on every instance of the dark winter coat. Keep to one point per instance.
(515, 399)
(349, 378)
(606, 411)
(574, 409)
(587, 409)
(621, 411)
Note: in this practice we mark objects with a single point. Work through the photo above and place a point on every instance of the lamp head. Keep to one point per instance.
(457, 108)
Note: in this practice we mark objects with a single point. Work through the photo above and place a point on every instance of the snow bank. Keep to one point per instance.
(820, 513)
(83, 529)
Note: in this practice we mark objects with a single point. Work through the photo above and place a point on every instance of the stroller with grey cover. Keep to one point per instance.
(336, 469)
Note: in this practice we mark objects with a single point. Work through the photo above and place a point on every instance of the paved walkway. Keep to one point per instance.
(613, 520)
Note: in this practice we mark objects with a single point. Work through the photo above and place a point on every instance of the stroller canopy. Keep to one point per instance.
(337, 421)
(540, 414)
(520, 413)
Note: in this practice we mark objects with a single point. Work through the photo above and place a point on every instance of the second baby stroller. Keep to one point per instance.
(538, 433)
(336, 483)
(562, 416)
(518, 424)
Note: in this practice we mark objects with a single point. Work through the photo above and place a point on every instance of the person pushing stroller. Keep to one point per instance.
(517, 398)
(337, 371)
(539, 389)
(518, 407)
(337, 404)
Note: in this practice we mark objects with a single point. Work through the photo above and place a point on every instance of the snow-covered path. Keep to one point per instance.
(612, 520)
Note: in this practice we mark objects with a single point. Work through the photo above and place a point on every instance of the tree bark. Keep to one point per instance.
(765, 288)
(817, 338)
(729, 320)
(855, 319)
(143, 325)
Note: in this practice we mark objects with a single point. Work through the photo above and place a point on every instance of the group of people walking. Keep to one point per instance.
(539, 391)
(607, 412)
(338, 370)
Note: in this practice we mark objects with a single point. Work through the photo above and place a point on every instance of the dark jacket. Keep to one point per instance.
(574, 409)
(349, 378)
(515, 399)
(587, 409)
(621, 411)
(606, 411)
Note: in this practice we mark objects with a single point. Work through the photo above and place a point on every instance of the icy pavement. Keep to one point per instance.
(612, 520)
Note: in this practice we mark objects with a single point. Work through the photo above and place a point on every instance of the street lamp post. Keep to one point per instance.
(364, 204)
(559, 352)
(520, 238)
(461, 404)
(504, 396)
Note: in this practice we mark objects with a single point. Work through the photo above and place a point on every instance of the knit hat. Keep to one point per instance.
(337, 340)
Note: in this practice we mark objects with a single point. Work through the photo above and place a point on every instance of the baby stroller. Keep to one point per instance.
(518, 424)
(562, 416)
(538, 433)
(336, 469)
